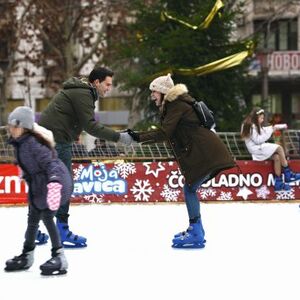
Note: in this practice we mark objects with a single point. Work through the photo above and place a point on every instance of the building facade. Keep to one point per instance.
(275, 71)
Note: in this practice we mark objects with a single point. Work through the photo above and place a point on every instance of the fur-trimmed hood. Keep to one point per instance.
(174, 92)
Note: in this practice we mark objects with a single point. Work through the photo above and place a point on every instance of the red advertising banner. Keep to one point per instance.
(144, 182)
(12, 188)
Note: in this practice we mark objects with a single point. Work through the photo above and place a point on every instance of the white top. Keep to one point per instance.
(256, 143)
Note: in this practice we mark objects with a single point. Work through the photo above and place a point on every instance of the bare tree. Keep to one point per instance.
(65, 35)
(11, 23)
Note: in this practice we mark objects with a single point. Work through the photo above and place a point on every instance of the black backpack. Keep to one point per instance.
(205, 115)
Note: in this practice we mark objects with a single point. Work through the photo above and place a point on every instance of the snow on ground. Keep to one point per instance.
(252, 253)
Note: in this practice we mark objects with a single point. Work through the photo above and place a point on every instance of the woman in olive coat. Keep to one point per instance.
(200, 153)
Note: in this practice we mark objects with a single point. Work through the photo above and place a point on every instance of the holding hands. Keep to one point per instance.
(128, 137)
(135, 136)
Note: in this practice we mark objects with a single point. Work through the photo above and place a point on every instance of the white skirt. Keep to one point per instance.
(263, 151)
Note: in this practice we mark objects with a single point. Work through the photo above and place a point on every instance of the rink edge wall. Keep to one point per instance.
(156, 182)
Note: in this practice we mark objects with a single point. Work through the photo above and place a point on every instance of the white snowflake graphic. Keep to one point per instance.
(225, 196)
(93, 198)
(97, 163)
(169, 194)
(285, 195)
(262, 192)
(77, 172)
(125, 169)
(209, 192)
(142, 190)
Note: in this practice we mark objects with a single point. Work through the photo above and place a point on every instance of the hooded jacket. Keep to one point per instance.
(40, 166)
(199, 152)
(72, 110)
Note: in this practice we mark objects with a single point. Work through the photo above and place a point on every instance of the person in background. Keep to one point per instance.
(69, 113)
(103, 149)
(49, 185)
(200, 153)
(277, 134)
(256, 136)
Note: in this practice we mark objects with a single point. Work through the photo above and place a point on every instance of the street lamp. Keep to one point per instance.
(264, 54)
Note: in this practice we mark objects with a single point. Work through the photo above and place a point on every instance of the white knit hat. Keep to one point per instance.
(162, 84)
(21, 116)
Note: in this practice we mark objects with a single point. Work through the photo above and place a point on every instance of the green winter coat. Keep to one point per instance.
(199, 152)
(72, 110)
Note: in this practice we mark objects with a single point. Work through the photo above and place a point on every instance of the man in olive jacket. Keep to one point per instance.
(69, 113)
(200, 153)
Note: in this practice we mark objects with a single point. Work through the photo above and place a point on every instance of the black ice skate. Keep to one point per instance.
(21, 262)
(57, 265)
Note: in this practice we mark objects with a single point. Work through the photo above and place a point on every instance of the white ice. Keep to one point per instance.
(252, 252)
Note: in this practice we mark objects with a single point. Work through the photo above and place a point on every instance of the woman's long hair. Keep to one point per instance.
(251, 119)
(43, 141)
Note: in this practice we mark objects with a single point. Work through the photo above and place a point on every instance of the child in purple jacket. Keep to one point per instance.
(49, 185)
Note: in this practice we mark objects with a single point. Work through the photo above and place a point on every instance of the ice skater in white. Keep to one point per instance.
(256, 136)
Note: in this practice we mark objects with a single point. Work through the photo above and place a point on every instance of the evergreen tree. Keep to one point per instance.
(151, 45)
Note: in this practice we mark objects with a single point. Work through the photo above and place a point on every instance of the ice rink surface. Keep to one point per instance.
(252, 252)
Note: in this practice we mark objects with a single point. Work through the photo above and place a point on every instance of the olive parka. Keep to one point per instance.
(199, 152)
(72, 110)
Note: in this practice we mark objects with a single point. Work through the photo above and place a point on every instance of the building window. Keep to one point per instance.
(280, 35)
(14, 103)
(113, 104)
(41, 104)
(274, 103)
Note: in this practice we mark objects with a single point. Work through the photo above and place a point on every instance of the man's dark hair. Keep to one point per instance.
(100, 73)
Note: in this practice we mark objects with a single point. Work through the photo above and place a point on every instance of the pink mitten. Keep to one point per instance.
(54, 195)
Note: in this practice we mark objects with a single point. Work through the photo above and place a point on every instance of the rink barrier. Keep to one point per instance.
(146, 182)
(289, 139)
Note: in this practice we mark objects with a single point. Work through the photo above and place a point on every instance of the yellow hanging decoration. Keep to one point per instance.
(218, 5)
(218, 65)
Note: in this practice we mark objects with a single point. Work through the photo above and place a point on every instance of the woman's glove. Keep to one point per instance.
(134, 135)
(280, 126)
(54, 195)
(125, 138)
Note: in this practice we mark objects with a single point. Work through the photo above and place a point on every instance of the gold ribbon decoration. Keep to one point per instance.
(218, 5)
(218, 65)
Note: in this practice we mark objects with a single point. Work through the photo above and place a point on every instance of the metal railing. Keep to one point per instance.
(290, 140)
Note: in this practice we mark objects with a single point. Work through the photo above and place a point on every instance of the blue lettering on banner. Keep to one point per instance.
(99, 180)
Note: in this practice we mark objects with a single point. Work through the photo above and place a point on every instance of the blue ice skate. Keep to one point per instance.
(193, 238)
(290, 176)
(280, 185)
(41, 238)
(69, 239)
(182, 233)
